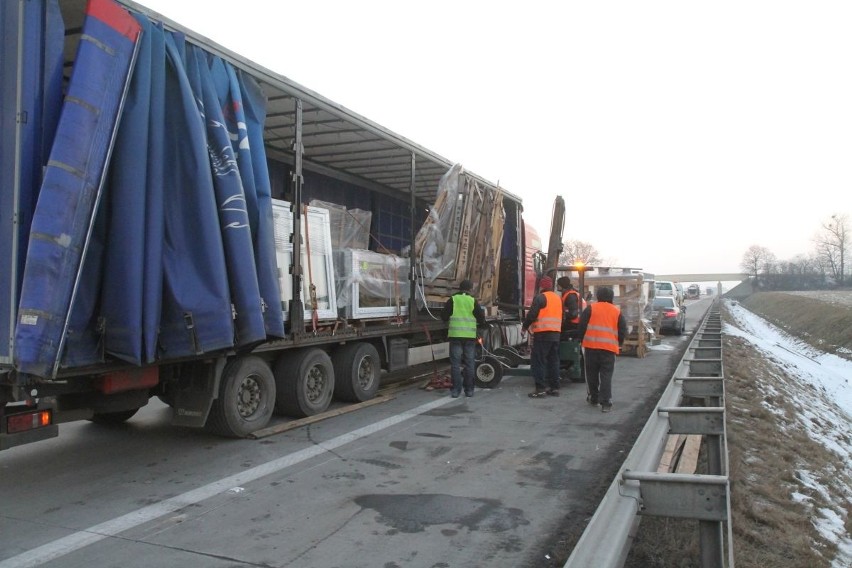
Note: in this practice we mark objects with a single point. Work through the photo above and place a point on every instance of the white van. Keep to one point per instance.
(667, 288)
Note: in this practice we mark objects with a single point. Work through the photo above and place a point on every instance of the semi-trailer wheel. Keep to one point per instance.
(305, 382)
(489, 372)
(246, 398)
(357, 370)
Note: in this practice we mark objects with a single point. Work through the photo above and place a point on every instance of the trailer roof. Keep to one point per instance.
(337, 141)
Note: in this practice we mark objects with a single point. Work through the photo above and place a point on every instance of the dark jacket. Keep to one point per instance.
(571, 304)
(584, 324)
(478, 312)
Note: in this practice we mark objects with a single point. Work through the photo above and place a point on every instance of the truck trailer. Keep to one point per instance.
(179, 222)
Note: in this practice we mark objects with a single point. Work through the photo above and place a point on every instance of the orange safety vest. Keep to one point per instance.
(550, 316)
(602, 331)
(581, 304)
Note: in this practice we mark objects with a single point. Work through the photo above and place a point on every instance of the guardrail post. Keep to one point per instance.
(640, 489)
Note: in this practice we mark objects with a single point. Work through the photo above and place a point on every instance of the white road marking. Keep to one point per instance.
(93, 534)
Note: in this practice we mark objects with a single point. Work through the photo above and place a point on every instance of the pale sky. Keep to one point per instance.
(679, 133)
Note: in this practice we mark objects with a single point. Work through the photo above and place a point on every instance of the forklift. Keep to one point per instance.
(490, 366)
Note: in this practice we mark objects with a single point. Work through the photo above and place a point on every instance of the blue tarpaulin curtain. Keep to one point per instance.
(181, 260)
(120, 288)
(71, 185)
(231, 203)
(196, 314)
(244, 110)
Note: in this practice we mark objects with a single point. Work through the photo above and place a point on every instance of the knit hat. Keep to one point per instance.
(605, 294)
(546, 283)
(466, 286)
(563, 282)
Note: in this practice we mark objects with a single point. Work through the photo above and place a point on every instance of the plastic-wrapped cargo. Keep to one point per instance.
(317, 268)
(631, 287)
(461, 239)
(437, 241)
(370, 284)
(350, 228)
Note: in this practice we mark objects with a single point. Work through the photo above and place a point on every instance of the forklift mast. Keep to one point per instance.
(554, 245)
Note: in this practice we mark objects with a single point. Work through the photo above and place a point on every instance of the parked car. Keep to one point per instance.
(667, 288)
(673, 315)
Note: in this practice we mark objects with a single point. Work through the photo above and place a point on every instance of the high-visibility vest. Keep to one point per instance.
(602, 331)
(462, 321)
(550, 316)
(581, 304)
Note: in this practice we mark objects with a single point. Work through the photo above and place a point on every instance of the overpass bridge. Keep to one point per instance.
(709, 277)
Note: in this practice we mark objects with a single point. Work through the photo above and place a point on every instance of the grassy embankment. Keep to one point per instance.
(768, 450)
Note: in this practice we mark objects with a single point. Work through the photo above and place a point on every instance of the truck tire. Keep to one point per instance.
(112, 418)
(489, 372)
(357, 369)
(305, 381)
(246, 398)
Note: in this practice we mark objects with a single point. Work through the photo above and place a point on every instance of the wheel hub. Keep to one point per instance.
(365, 372)
(315, 384)
(248, 396)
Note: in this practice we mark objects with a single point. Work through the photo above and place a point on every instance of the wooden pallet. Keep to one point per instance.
(637, 342)
(680, 454)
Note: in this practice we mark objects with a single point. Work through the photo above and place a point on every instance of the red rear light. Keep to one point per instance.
(671, 314)
(28, 421)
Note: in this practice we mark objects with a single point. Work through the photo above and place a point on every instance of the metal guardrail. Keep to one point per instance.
(639, 489)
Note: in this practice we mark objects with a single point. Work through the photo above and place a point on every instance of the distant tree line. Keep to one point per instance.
(825, 267)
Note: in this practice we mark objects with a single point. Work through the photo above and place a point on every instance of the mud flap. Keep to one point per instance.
(198, 385)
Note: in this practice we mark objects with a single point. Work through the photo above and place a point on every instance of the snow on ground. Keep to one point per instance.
(823, 398)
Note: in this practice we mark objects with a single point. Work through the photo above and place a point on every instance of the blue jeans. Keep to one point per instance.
(463, 362)
(544, 363)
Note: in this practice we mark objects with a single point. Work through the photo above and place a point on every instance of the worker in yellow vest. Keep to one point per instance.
(602, 333)
(464, 314)
(545, 321)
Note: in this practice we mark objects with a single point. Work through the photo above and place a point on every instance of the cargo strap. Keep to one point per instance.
(311, 286)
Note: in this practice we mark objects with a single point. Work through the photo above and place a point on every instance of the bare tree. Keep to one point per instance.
(802, 264)
(758, 260)
(573, 251)
(832, 242)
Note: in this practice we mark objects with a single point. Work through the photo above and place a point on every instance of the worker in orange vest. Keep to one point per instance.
(545, 321)
(602, 332)
(572, 304)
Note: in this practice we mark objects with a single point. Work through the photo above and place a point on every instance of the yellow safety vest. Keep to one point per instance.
(462, 321)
